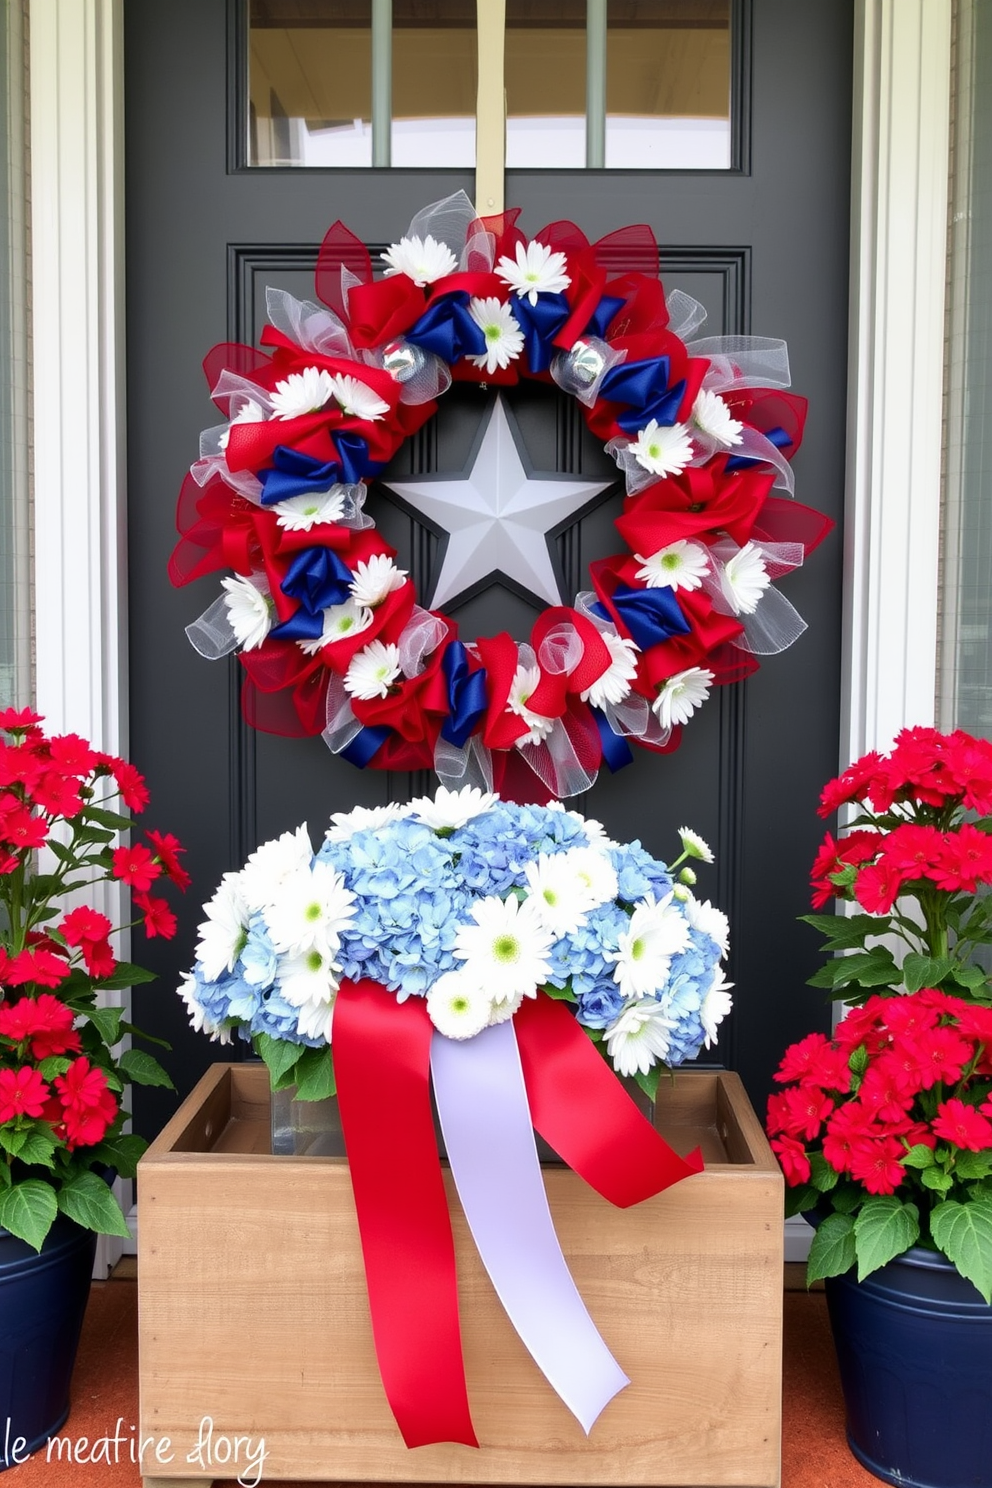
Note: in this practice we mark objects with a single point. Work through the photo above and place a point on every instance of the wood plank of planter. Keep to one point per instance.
(253, 1311)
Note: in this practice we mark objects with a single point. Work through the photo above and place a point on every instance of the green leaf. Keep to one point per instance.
(52, 1065)
(925, 971)
(88, 1200)
(918, 1156)
(149, 1038)
(874, 968)
(798, 1200)
(973, 1165)
(38, 1146)
(560, 994)
(969, 976)
(107, 1022)
(279, 1055)
(89, 834)
(124, 975)
(884, 1229)
(822, 1176)
(27, 1211)
(863, 924)
(121, 1153)
(649, 1082)
(832, 1251)
(315, 1075)
(936, 1179)
(111, 819)
(143, 1069)
(963, 1232)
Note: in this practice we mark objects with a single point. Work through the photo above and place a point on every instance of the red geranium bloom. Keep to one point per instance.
(970, 760)
(856, 847)
(847, 1125)
(877, 1163)
(83, 924)
(19, 718)
(938, 1055)
(83, 1087)
(57, 794)
(962, 1125)
(8, 861)
(851, 786)
(814, 1060)
(964, 861)
(99, 958)
(18, 828)
(136, 866)
(44, 1020)
(87, 1128)
(906, 1016)
(792, 1156)
(36, 964)
(918, 766)
(130, 783)
(21, 764)
(913, 849)
(22, 1093)
(805, 1110)
(887, 1090)
(877, 886)
(167, 850)
(71, 754)
(159, 919)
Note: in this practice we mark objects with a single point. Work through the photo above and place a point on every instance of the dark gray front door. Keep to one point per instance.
(766, 250)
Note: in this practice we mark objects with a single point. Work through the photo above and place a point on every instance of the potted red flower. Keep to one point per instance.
(62, 1068)
(884, 1131)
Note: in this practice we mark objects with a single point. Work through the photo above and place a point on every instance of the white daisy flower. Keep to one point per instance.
(424, 260)
(556, 892)
(596, 875)
(363, 819)
(525, 679)
(506, 950)
(249, 609)
(664, 449)
(715, 1006)
(372, 671)
(694, 845)
(302, 392)
(315, 1019)
(705, 917)
(224, 932)
(639, 1037)
(744, 579)
(271, 864)
(711, 414)
(249, 413)
(356, 399)
(452, 808)
(458, 1007)
(682, 565)
(374, 579)
(309, 910)
(504, 338)
(341, 620)
(504, 1010)
(614, 685)
(537, 271)
(197, 1013)
(656, 933)
(310, 978)
(681, 695)
(300, 513)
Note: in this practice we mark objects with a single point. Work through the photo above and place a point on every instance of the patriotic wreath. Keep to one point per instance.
(331, 635)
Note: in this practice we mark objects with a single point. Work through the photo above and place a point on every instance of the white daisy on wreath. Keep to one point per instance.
(744, 579)
(681, 565)
(657, 931)
(373, 670)
(249, 607)
(308, 911)
(504, 338)
(711, 414)
(663, 449)
(356, 399)
(534, 269)
(458, 1006)
(614, 685)
(525, 679)
(424, 260)
(302, 392)
(451, 808)
(374, 579)
(639, 1037)
(270, 865)
(224, 932)
(681, 695)
(363, 819)
(300, 513)
(506, 949)
(341, 620)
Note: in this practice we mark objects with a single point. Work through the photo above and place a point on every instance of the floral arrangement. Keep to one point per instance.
(331, 635)
(885, 1130)
(914, 862)
(472, 903)
(480, 956)
(60, 1077)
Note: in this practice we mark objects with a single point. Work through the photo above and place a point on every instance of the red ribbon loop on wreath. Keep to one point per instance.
(382, 1061)
(580, 1108)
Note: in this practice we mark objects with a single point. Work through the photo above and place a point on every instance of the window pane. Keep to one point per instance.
(668, 84)
(435, 79)
(310, 82)
(545, 74)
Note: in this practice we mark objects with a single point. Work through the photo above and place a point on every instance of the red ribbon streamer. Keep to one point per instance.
(382, 1062)
(579, 1107)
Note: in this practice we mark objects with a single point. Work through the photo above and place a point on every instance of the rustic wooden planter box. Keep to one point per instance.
(253, 1312)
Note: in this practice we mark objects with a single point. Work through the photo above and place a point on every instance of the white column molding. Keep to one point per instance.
(898, 237)
(77, 330)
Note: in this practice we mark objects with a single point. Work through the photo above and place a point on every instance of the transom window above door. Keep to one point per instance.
(615, 84)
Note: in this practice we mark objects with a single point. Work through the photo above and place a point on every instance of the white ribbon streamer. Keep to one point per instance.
(211, 634)
(342, 725)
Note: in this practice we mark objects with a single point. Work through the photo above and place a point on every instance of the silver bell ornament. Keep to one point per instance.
(580, 370)
(402, 360)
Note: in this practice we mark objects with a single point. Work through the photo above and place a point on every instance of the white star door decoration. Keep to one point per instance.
(497, 516)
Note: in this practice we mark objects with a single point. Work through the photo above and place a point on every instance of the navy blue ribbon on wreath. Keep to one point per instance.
(605, 312)
(643, 386)
(540, 324)
(448, 330)
(650, 615)
(296, 474)
(466, 695)
(317, 578)
(366, 743)
(777, 436)
(616, 751)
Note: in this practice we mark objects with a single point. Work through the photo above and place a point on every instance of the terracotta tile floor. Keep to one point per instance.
(814, 1452)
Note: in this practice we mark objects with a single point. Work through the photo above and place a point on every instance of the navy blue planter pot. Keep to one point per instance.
(914, 1346)
(42, 1301)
